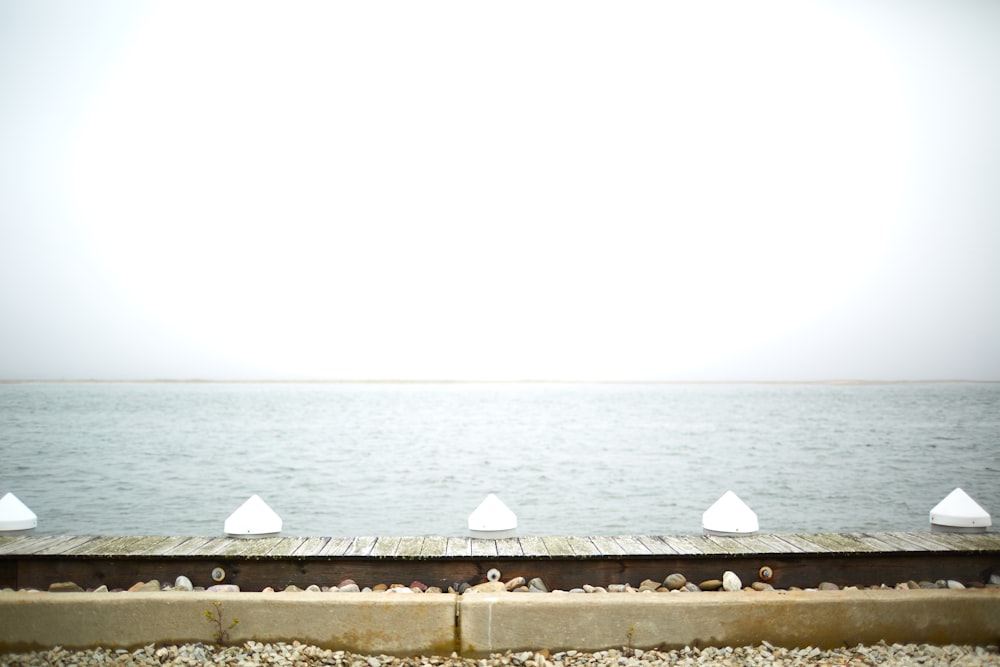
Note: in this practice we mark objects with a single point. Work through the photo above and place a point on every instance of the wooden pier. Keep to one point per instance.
(564, 562)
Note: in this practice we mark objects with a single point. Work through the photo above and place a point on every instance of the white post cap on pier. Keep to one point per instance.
(15, 515)
(729, 516)
(492, 519)
(958, 513)
(254, 518)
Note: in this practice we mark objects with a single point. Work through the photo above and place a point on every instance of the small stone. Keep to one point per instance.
(401, 589)
(730, 581)
(101, 589)
(537, 585)
(418, 585)
(292, 588)
(912, 585)
(691, 587)
(489, 587)
(927, 585)
(223, 588)
(761, 586)
(675, 581)
(65, 587)
(433, 589)
(182, 583)
(952, 583)
(345, 582)
(378, 588)
(710, 585)
(828, 586)
(995, 579)
(267, 589)
(516, 582)
(145, 587)
(617, 588)
(349, 588)
(648, 585)
(313, 588)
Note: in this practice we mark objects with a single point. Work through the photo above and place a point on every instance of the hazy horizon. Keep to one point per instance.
(555, 191)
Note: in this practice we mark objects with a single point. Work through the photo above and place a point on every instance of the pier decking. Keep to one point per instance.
(803, 560)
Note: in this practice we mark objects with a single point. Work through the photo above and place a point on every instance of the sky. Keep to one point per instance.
(566, 190)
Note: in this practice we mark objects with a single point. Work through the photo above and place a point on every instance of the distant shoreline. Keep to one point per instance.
(845, 382)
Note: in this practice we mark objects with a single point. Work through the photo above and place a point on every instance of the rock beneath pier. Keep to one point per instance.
(731, 582)
(65, 587)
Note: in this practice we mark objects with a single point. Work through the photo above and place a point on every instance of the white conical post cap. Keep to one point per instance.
(729, 516)
(15, 515)
(254, 518)
(960, 513)
(492, 519)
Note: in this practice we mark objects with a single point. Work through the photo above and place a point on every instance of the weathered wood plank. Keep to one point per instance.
(800, 542)
(63, 545)
(311, 546)
(434, 547)
(509, 547)
(841, 543)
(607, 545)
(970, 541)
(96, 547)
(385, 547)
(705, 545)
(361, 546)
(533, 547)
(681, 545)
(409, 547)
(255, 547)
(632, 545)
(189, 547)
(582, 546)
(483, 547)
(285, 546)
(337, 546)
(28, 545)
(893, 543)
(876, 545)
(744, 544)
(557, 545)
(655, 545)
(459, 547)
(775, 545)
(162, 547)
(924, 541)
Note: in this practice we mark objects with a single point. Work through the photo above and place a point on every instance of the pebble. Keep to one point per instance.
(516, 582)
(254, 653)
(730, 582)
(537, 585)
(710, 585)
(65, 587)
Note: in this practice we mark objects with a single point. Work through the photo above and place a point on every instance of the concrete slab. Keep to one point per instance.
(479, 624)
(508, 621)
(371, 623)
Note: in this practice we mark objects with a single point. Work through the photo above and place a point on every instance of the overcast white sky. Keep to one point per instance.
(660, 190)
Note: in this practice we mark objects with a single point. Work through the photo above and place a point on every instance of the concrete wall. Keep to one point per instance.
(480, 624)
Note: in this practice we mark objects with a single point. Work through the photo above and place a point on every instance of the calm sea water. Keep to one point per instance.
(416, 459)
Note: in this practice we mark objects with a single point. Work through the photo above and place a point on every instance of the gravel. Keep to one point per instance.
(295, 654)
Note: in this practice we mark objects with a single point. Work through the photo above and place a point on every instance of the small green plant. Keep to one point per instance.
(628, 650)
(215, 616)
